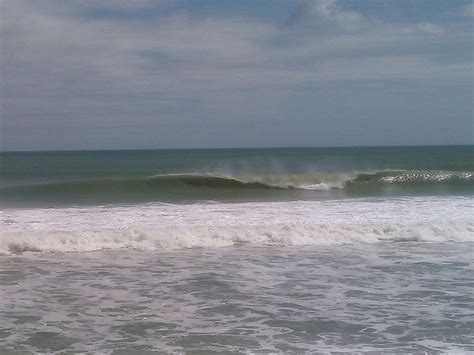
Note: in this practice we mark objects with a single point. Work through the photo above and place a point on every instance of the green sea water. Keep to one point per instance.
(90, 177)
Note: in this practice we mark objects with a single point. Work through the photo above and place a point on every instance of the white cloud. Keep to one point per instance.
(181, 49)
(58, 61)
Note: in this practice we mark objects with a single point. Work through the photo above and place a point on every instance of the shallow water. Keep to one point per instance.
(157, 226)
(387, 296)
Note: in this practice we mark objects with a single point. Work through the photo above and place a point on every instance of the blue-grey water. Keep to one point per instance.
(231, 251)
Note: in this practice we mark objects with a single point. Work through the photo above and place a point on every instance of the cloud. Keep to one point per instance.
(430, 28)
(330, 10)
(327, 13)
(468, 10)
(180, 51)
(85, 7)
(122, 5)
(63, 66)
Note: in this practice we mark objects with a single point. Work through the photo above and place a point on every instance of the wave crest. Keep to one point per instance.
(210, 186)
(157, 226)
(215, 237)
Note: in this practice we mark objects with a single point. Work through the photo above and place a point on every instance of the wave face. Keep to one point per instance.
(75, 178)
(149, 227)
(172, 187)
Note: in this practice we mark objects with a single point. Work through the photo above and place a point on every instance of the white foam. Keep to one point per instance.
(206, 225)
(317, 187)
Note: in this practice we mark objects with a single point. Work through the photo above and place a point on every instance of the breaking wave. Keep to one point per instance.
(414, 176)
(157, 226)
(214, 237)
(215, 186)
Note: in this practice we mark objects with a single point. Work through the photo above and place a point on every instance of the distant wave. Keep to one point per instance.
(215, 186)
(414, 176)
(303, 181)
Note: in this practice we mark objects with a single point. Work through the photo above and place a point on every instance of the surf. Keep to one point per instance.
(158, 226)
(221, 187)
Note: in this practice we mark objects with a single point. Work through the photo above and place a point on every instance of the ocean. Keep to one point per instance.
(281, 250)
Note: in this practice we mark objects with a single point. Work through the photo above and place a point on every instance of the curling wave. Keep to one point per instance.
(214, 186)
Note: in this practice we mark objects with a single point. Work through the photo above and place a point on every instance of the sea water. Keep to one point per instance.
(239, 250)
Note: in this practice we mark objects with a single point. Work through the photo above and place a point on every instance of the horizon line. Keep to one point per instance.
(235, 148)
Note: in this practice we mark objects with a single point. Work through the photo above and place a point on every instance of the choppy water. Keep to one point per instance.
(247, 250)
(158, 226)
(391, 297)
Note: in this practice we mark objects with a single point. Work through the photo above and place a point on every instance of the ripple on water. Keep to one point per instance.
(281, 299)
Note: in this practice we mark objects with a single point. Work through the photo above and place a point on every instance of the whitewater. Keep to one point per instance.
(156, 226)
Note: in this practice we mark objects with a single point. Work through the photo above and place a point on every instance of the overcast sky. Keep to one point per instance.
(119, 74)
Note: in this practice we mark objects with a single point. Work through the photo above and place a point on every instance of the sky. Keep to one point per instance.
(144, 74)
